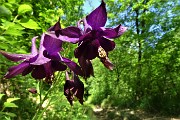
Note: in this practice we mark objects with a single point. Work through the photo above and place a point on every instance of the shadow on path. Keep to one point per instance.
(126, 114)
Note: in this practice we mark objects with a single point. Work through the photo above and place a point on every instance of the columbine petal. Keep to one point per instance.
(107, 44)
(80, 88)
(41, 59)
(56, 28)
(87, 49)
(113, 33)
(58, 66)
(27, 70)
(86, 66)
(73, 66)
(69, 34)
(34, 50)
(15, 70)
(14, 57)
(83, 23)
(64, 38)
(107, 63)
(52, 45)
(38, 72)
(98, 17)
(74, 89)
(72, 32)
(49, 70)
(18, 57)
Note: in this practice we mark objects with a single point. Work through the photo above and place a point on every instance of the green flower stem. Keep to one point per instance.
(15, 18)
(39, 113)
(3, 109)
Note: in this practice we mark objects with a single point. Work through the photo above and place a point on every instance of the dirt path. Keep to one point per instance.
(126, 114)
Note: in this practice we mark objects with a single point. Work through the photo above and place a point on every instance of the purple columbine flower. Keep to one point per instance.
(74, 89)
(94, 39)
(42, 64)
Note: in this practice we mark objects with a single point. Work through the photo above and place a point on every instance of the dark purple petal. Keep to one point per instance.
(56, 28)
(88, 46)
(87, 49)
(58, 66)
(49, 70)
(38, 72)
(74, 88)
(54, 56)
(15, 70)
(107, 63)
(18, 57)
(51, 44)
(86, 66)
(27, 70)
(114, 32)
(88, 36)
(91, 50)
(98, 17)
(68, 86)
(107, 44)
(41, 59)
(67, 92)
(65, 38)
(73, 66)
(13, 57)
(71, 32)
(79, 93)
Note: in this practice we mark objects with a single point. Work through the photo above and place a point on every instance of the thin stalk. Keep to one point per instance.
(55, 83)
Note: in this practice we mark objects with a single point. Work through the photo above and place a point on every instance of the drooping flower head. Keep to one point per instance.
(74, 89)
(42, 64)
(94, 39)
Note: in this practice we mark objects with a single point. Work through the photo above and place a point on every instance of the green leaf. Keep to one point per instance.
(6, 24)
(12, 1)
(24, 8)
(7, 104)
(7, 118)
(4, 12)
(4, 46)
(31, 24)
(1, 95)
(13, 31)
(10, 114)
(2, 38)
(12, 99)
